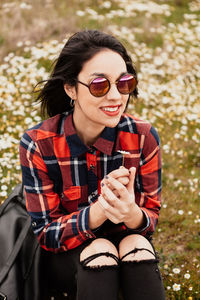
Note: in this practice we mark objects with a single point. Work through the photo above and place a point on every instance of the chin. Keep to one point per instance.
(113, 123)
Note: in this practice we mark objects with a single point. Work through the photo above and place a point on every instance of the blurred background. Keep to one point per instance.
(162, 38)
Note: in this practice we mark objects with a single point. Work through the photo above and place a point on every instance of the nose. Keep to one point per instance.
(113, 93)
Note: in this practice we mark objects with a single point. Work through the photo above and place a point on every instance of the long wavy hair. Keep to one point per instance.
(80, 48)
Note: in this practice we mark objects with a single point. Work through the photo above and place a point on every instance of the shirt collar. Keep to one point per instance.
(104, 143)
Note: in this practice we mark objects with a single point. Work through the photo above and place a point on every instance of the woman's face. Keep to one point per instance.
(99, 112)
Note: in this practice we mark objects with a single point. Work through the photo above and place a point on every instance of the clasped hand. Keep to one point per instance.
(117, 197)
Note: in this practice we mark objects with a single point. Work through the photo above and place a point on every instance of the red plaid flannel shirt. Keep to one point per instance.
(62, 176)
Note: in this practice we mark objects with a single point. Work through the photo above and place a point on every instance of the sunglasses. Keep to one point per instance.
(100, 86)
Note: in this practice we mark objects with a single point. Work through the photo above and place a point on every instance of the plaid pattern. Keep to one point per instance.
(62, 176)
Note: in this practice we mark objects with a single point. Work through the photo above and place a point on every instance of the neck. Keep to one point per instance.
(88, 133)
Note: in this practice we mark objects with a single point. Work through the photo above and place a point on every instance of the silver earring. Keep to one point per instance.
(71, 103)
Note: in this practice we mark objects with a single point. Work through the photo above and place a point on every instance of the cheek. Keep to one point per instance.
(125, 99)
(87, 104)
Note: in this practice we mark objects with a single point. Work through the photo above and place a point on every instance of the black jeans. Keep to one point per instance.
(135, 280)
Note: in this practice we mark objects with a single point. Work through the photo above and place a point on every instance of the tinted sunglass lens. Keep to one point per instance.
(99, 87)
(126, 84)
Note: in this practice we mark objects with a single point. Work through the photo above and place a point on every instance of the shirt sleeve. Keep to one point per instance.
(56, 230)
(148, 182)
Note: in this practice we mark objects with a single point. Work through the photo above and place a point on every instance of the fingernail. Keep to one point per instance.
(102, 184)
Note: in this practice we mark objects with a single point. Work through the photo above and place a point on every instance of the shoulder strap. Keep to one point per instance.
(4, 271)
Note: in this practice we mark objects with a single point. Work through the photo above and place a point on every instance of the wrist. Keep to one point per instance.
(96, 216)
(136, 218)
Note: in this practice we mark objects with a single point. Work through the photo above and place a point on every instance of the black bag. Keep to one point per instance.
(20, 253)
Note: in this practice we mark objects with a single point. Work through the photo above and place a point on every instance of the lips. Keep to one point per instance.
(111, 110)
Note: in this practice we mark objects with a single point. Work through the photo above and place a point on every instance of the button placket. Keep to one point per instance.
(91, 161)
(91, 150)
(92, 177)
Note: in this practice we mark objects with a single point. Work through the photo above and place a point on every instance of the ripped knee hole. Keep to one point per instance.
(133, 252)
(87, 260)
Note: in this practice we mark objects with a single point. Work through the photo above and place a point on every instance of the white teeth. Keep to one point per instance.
(110, 108)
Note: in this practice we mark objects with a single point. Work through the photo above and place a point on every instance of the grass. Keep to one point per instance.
(164, 47)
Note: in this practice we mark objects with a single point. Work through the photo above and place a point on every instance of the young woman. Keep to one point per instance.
(92, 176)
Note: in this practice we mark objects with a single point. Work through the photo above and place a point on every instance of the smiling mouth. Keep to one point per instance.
(111, 108)
(111, 111)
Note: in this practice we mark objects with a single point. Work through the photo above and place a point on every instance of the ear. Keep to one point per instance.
(70, 91)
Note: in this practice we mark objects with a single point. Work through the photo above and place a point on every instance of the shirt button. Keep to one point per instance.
(92, 167)
(34, 224)
(88, 235)
(92, 194)
(91, 150)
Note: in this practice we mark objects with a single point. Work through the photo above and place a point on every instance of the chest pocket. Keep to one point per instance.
(70, 198)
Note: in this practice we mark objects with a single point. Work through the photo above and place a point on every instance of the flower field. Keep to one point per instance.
(163, 38)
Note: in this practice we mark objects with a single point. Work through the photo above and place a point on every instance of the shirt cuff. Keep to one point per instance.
(145, 225)
(83, 224)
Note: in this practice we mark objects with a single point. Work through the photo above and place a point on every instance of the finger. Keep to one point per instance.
(115, 184)
(123, 180)
(110, 196)
(116, 193)
(110, 212)
(114, 214)
(121, 172)
(103, 202)
(130, 185)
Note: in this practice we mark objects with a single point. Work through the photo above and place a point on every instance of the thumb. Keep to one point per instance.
(130, 185)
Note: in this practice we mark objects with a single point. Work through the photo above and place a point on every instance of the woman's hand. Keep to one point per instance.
(117, 195)
(97, 213)
(122, 175)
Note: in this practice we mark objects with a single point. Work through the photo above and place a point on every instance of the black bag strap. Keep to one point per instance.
(15, 251)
